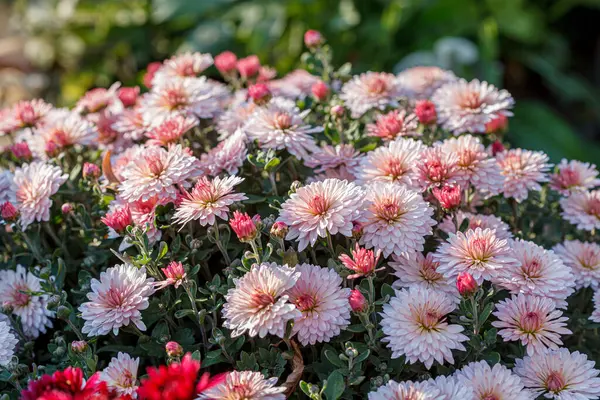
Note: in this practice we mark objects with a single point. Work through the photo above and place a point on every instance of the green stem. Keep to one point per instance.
(273, 183)
(475, 315)
(330, 244)
(220, 245)
(74, 329)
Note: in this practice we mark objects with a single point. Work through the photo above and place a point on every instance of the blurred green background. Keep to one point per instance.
(546, 52)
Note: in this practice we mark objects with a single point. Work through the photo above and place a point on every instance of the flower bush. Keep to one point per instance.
(318, 235)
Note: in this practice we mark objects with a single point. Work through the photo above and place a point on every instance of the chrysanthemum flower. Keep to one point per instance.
(371, 90)
(170, 130)
(185, 65)
(247, 385)
(582, 209)
(539, 272)
(67, 384)
(121, 374)
(208, 200)
(321, 208)
(362, 262)
(295, 85)
(467, 106)
(492, 383)
(175, 274)
(20, 290)
(330, 157)
(477, 221)
(6, 190)
(120, 161)
(116, 300)
(324, 305)
(117, 220)
(228, 156)
(560, 375)
(244, 226)
(9, 341)
(478, 252)
(63, 128)
(396, 219)
(415, 326)
(394, 162)
(25, 114)
(407, 390)
(532, 320)
(523, 171)
(418, 270)
(235, 117)
(451, 389)
(96, 100)
(33, 184)
(584, 260)
(574, 176)
(422, 82)
(130, 124)
(157, 173)
(394, 124)
(437, 167)
(280, 125)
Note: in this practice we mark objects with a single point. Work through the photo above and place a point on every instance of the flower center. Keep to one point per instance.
(395, 169)
(532, 269)
(490, 396)
(185, 69)
(568, 178)
(376, 85)
(389, 212)
(470, 101)
(26, 114)
(114, 298)
(429, 319)
(174, 99)
(282, 121)
(318, 205)
(262, 300)
(593, 207)
(306, 302)
(127, 379)
(155, 166)
(467, 158)
(243, 392)
(530, 322)
(20, 296)
(589, 258)
(429, 271)
(555, 382)
(435, 171)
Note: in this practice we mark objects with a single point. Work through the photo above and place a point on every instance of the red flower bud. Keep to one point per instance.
(466, 285)
(313, 38)
(259, 93)
(498, 124)
(320, 90)
(128, 95)
(244, 226)
(248, 67)
(91, 171)
(8, 212)
(174, 349)
(66, 208)
(225, 62)
(279, 229)
(425, 111)
(357, 301)
(21, 151)
(497, 147)
(150, 71)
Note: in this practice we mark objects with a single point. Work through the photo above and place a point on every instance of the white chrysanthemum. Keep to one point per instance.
(9, 342)
(33, 184)
(423, 81)
(474, 164)
(415, 326)
(121, 374)
(185, 65)
(280, 125)
(451, 389)
(320, 208)
(116, 300)
(574, 176)
(584, 260)
(228, 156)
(488, 383)
(467, 106)
(324, 305)
(6, 190)
(478, 252)
(477, 221)
(540, 272)
(523, 171)
(246, 385)
(208, 200)
(407, 390)
(330, 157)
(371, 90)
(393, 162)
(560, 375)
(582, 209)
(259, 304)
(18, 290)
(532, 320)
(158, 172)
(396, 219)
(416, 269)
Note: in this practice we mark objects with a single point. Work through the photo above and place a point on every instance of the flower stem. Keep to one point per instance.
(220, 245)
(475, 315)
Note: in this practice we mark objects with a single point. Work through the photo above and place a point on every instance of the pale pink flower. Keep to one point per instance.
(170, 130)
(130, 124)
(116, 300)
(321, 208)
(341, 173)
(324, 305)
(468, 106)
(247, 385)
(560, 375)
(295, 85)
(394, 124)
(451, 389)
(582, 209)
(234, 118)
(421, 82)
(185, 65)
(371, 90)
(25, 114)
(175, 274)
(407, 390)
(9, 343)
(20, 290)
(64, 129)
(584, 260)
(539, 272)
(479, 252)
(258, 304)
(418, 270)
(6, 187)
(523, 171)
(362, 262)
(437, 167)
(477, 221)
(120, 374)
(396, 219)
(33, 184)
(595, 316)
(97, 100)
(415, 325)
(331, 157)
(492, 383)
(208, 200)
(574, 176)
(532, 320)
(120, 160)
(228, 156)
(158, 172)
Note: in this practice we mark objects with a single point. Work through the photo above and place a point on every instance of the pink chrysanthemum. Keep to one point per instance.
(396, 219)
(97, 100)
(523, 171)
(259, 303)
(477, 221)
(595, 316)
(121, 374)
(130, 124)
(451, 389)
(560, 375)
(33, 184)
(295, 85)
(478, 252)
(235, 117)
(120, 161)
(19, 290)
(324, 305)
(407, 390)
(394, 124)
(584, 260)
(9, 343)
(539, 272)
(116, 300)
(574, 176)
(415, 326)
(185, 65)
(280, 125)
(330, 157)
(247, 385)
(436, 167)
(492, 383)
(157, 173)
(582, 209)
(422, 82)
(362, 262)
(468, 106)
(170, 130)
(394, 162)
(63, 129)
(25, 114)
(321, 208)
(371, 90)
(418, 270)
(532, 320)
(341, 173)
(228, 156)
(208, 200)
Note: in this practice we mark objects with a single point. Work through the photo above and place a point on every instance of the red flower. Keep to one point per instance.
(362, 262)
(449, 197)
(425, 111)
(118, 219)
(128, 95)
(68, 385)
(320, 90)
(357, 301)
(8, 211)
(21, 151)
(248, 67)
(259, 93)
(244, 226)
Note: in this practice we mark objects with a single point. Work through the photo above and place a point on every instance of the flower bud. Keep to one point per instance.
(91, 171)
(497, 147)
(66, 208)
(8, 212)
(425, 112)
(150, 71)
(248, 66)
(279, 230)
(497, 125)
(357, 230)
(226, 62)
(63, 312)
(357, 301)
(448, 196)
(259, 93)
(337, 111)
(244, 226)
(128, 95)
(313, 38)
(320, 90)
(466, 285)
(351, 352)
(21, 151)
(79, 346)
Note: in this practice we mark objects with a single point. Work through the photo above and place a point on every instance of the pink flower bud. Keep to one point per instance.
(66, 208)
(279, 229)
(320, 90)
(175, 273)
(466, 285)
(497, 125)
(244, 226)
(118, 219)
(362, 262)
(8, 212)
(266, 74)
(425, 111)
(259, 93)
(497, 147)
(21, 151)
(337, 111)
(357, 230)
(174, 349)
(91, 171)
(248, 67)
(79, 346)
(313, 38)
(357, 301)
(225, 62)
(128, 95)
(150, 71)
(448, 196)
(51, 148)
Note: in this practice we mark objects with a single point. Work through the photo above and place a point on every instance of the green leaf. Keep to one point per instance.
(335, 386)
(333, 358)
(357, 328)
(490, 336)
(183, 313)
(387, 290)
(362, 356)
(464, 225)
(160, 331)
(485, 314)
(492, 358)
(162, 251)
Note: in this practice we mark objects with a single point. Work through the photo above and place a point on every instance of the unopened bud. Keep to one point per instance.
(313, 38)
(337, 111)
(279, 229)
(91, 171)
(63, 312)
(357, 301)
(79, 346)
(66, 208)
(466, 285)
(174, 349)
